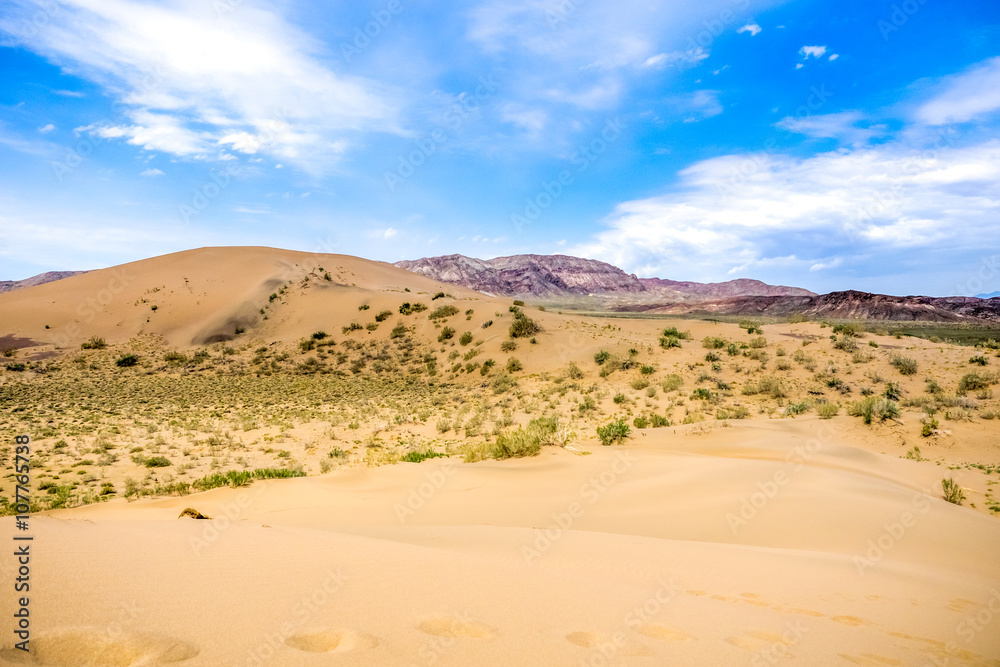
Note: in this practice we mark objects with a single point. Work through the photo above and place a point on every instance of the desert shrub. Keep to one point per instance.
(893, 391)
(239, 477)
(353, 326)
(871, 408)
(758, 343)
(672, 332)
(523, 326)
(827, 410)
(613, 432)
(795, 409)
(502, 383)
(667, 342)
(861, 357)
(487, 324)
(783, 365)
(601, 357)
(847, 330)
(904, 365)
(443, 312)
(94, 343)
(518, 302)
(157, 462)
(574, 372)
(526, 441)
(487, 366)
(418, 457)
(175, 358)
(952, 491)
(658, 421)
(439, 295)
(126, 360)
(641, 421)
(980, 359)
(647, 370)
(735, 412)
(672, 382)
(639, 383)
(371, 326)
(928, 427)
(714, 342)
(712, 356)
(508, 346)
(398, 331)
(17, 367)
(770, 385)
(701, 393)
(514, 364)
(383, 315)
(620, 398)
(846, 343)
(319, 335)
(408, 308)
(446, 334)
(587, 405)
(974, 382)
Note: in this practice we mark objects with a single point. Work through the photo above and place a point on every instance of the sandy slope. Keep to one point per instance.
(658, 560)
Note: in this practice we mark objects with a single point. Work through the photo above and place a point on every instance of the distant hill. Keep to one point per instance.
(991, 295)
(547, 276)
(40, 279)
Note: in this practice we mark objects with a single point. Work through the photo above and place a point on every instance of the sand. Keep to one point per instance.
(759, 544)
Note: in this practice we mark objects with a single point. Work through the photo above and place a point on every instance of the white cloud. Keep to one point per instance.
(68, 93)
(531, 120)
(965, 96)
(831, 264)
(45, 129)
(814, 51)
(685, 59)
(151, 172)
(841, 125)
(751, 28)
(389, 233)
(741, 210)
(697, 106)
(190, 79)
(834, 56)
(799, 65)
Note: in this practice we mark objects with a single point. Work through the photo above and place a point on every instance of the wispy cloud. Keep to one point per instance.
(151, 173)
(45, 129)
(813, 51)
(751, 28)
(188, 79)
(964, 97)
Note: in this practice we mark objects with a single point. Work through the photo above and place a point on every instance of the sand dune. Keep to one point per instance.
(643, 554)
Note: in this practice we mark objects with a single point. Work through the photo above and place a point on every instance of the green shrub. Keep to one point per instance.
(639, 383)
(175, 358)
(240, 477)
(439, 295)
(714, 342)
(508, 346)
(846, 343)
(672, 382)
(466, 338)
(672, 332)
(658, 421)
(640, 422)
(795, 409)
(418, 457)
(952, 491)
(973, 382)
(487, 324)
(620, 398)
(523, 326)
(127, 360)
(157, 462)
(383, 315)
(319, 335)
(647, 370)
(758, 343)
(94, 343)
(17, 367)
(981, 360)
(487, 366)
(363, 306)
(446, 334)
(443, 312)
(502, 382)
(613, 432)
(770, 385)
(904, 365)
(667, 342)
(928, 428)
(526, 441)
(398, 331)
(601, 357)
(518, 302)
(573, 371)
(712, 356)
(514, 364)
(871, 408)
(353, 326)
(701, 393)
(827, 410)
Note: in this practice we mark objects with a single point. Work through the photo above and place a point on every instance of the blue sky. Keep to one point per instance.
(829, 145)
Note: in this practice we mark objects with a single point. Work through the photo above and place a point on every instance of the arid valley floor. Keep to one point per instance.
(400, 471)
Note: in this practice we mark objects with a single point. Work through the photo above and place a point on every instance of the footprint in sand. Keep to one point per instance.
(330, 641)
(754, 640)
(96, 646)
(455, 626)
(850, 620)
(595, 640)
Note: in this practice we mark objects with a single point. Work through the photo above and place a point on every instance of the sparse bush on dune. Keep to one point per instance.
(904, 365)
(714, 342)
(827, 410)
(508, 346)
(613, 432)
(871, 408)
(465, 339)
(527, 441)
(382, 316)
(443, 312)
(672, 332)
(126, 360)
(672, 382)
(667, 342)
(952, 491)
(772, 386)
(94, 343)
(601, 357)
(523, 326)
